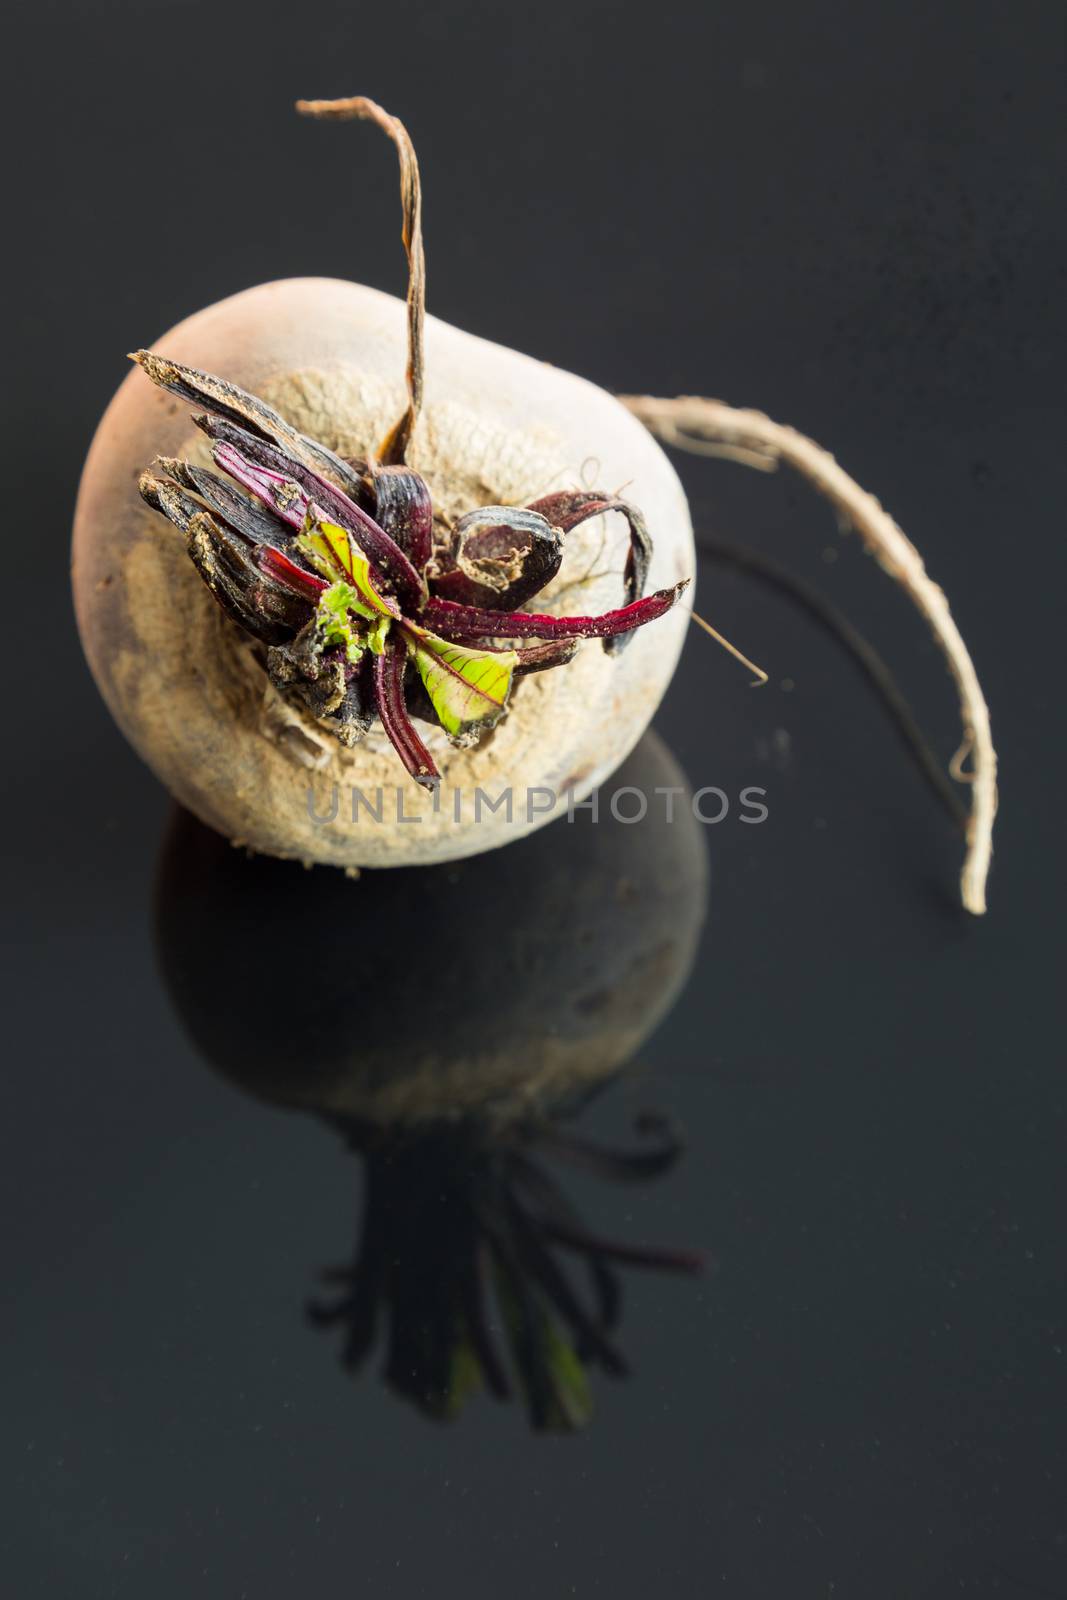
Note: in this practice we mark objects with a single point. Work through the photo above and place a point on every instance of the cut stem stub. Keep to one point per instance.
(393, 448)
(702, 426)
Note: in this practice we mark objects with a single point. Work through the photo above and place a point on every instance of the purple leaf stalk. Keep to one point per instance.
(367, 612)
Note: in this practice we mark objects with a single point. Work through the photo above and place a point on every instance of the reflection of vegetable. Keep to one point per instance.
(463, 1267)
(540, 972)
(490, 985)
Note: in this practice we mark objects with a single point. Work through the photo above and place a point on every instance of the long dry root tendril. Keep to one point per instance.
(394, 446)
(692, 423)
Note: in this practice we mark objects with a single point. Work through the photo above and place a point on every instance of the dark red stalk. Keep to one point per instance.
(264, 454)
(246, 515)
(381, 550)
(227, 400)
(405, 511)
(389, 700)
(461, 623)
(226, 590)
(278, 491)
(569, 507)
(277, 566)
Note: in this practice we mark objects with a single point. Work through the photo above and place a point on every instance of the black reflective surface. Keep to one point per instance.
(863, 1393)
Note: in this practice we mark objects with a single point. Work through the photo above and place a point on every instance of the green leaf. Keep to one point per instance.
(333, 620)
(467, 688)
(374, 636)
(333, 553)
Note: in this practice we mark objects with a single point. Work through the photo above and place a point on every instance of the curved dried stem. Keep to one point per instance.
(692, 423)
(393, 448)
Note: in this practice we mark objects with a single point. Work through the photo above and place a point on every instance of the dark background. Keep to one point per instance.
(850, 216)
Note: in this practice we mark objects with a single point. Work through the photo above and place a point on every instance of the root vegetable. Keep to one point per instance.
(189, 688)
(354, 588)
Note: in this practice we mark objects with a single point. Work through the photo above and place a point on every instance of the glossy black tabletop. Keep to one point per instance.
(739, 1170)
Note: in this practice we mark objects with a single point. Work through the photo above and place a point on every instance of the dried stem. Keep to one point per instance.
(394, 446)
(731, 649)
(692, 423)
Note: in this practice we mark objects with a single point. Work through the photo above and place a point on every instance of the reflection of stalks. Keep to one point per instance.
(709, 426)
(458, 1220)
(863, 653)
